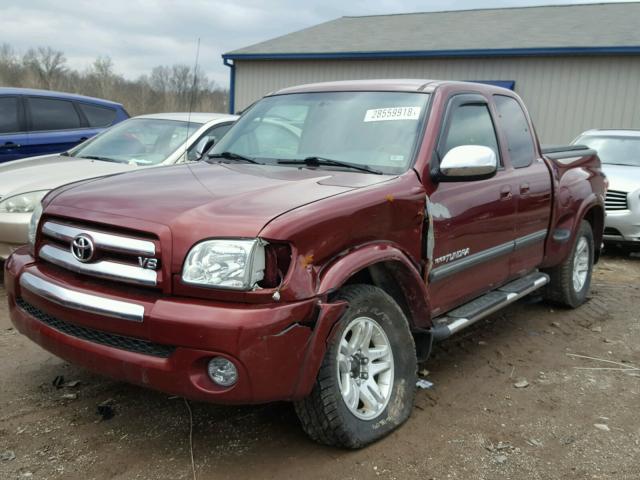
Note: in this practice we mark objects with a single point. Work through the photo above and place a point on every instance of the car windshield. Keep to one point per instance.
(376, 130)
(143, 141)
(614, 150)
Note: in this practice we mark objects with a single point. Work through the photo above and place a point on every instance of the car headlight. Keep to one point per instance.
(234, 264)
(22, 203)
(33, 224)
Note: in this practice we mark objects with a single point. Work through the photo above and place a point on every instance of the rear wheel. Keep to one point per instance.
(571, 280)
(366, 384)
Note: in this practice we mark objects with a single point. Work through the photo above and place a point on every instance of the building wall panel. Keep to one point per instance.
(565, 95)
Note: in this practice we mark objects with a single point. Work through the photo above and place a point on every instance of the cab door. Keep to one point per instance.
(531, 185)
(54, 125)
(13, 138)
(473, 221)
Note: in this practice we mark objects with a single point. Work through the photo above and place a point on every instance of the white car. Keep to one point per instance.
(619, 151)
(143, 141)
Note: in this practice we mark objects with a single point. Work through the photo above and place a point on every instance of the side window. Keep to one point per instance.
(98, 116)
(516, 129)
(52, 114)
(276, 134)
(219, 131)
(9, 115)
(277, 137)
(471, 125)
(216, 133)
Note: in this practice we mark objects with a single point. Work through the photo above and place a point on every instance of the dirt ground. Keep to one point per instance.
(574, 420)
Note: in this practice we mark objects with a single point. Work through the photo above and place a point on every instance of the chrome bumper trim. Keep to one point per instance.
(120, 272)
(104, 241)
(81, 301)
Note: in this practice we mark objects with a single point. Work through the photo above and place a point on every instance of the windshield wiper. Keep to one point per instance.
(320, 161)
(103, 159)
(233, 156)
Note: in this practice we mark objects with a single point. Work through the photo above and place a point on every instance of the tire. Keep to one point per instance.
(562, 289)
(324, 414)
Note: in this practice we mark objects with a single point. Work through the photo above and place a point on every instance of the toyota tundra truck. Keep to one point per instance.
(327, 242)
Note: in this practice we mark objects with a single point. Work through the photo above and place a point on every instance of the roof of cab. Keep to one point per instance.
(385, 85)
(54, 94)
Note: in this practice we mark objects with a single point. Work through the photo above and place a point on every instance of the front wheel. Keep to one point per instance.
(366, 384)
(571, 280)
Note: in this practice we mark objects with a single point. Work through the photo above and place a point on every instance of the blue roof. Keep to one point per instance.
(51, 93)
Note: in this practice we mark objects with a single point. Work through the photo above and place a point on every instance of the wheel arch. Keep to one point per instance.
(388, 268)
(595, 216)
(566, 225)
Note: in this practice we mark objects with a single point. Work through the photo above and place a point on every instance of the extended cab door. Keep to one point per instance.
(531, 184)
(473, 221)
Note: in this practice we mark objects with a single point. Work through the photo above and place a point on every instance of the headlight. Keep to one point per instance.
(22, 203)
(235, 264)
(33, 224)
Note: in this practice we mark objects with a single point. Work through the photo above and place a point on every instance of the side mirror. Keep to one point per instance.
(204, 145)
(468, 162)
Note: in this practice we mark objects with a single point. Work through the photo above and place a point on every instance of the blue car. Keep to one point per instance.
(39, 122)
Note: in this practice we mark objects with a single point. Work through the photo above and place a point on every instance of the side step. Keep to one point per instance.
(477, 309)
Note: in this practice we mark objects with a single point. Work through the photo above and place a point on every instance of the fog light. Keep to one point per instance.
(222, 371)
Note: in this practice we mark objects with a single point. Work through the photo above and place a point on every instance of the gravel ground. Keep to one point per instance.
(570, 421)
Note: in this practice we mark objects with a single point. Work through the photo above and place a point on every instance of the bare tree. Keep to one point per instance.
(102, 77)
(47, 64)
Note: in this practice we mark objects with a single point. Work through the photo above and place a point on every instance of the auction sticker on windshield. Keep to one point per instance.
(392, 113)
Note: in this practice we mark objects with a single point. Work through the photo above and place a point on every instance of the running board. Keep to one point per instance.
(477, 309)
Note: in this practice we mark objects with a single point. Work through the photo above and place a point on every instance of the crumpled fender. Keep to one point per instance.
(328, 316)
(403, 271)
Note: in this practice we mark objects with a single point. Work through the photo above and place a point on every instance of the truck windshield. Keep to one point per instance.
(142, 141)
(614, 150)
(377, 130)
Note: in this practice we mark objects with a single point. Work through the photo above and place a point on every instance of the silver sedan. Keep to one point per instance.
(619, 151)
(144, 141)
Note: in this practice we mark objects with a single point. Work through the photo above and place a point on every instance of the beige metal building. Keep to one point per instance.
(577, 67)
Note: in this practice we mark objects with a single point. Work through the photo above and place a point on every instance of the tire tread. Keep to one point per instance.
(318, 412)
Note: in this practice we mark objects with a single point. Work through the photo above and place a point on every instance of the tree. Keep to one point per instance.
(167, 88)
(103, 78)
(47, 64)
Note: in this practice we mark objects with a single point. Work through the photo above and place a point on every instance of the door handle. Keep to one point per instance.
(524, 188)
(505, 193)
(82, 139)
(11, 145)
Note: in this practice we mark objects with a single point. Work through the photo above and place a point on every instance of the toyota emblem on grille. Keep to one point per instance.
(82, 248)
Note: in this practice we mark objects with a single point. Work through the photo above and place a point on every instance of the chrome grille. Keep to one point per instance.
(117, 256)
(616, 200)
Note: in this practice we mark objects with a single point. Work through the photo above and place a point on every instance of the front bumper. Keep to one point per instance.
(623, 226)
(277, 348)
(14, 229)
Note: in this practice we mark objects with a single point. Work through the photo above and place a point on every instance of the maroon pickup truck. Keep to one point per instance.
(330, 238)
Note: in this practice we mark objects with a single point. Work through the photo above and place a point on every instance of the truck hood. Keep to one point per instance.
(622, 177)
(52, 171)
(205, 200)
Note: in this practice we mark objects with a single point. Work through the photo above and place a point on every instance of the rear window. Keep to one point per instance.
(9, 115)
(516, 128)
(98, 116)
(52, 114)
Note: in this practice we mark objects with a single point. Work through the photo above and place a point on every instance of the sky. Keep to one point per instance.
(141, 34)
